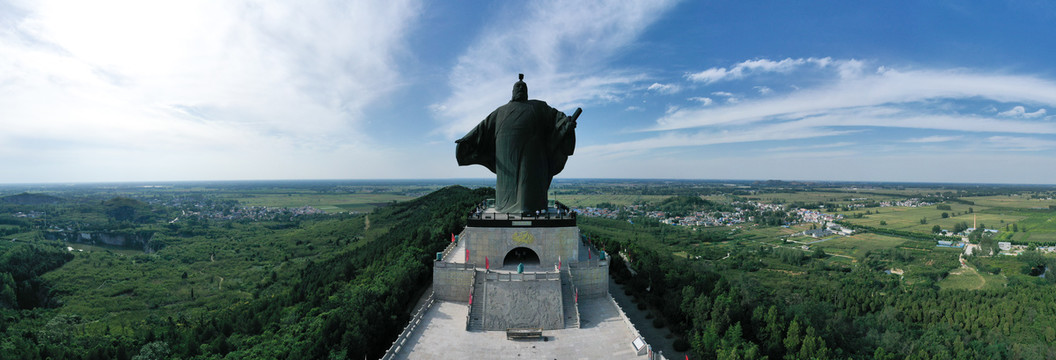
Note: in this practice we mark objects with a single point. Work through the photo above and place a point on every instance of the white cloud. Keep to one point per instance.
(890, 89)
(634, 108)
(211, 82)
(745, 68)
(1019, 111)
(664, 88)
(704, 101)
(844, 105)
(763, 90)
(933, 139)
(561, 47)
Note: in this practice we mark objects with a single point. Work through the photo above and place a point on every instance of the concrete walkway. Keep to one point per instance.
(443, 335)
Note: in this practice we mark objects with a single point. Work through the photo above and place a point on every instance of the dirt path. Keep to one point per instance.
(366, 222)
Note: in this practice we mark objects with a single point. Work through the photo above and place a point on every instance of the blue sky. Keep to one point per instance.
(935, 91)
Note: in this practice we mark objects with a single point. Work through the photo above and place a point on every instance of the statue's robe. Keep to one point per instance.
(525, 143)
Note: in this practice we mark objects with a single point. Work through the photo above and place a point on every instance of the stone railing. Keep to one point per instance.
(575, 294)
(528, 276)
(459, 266)
(469, 307)
(627, 321)
(450, 247)
(409, 329)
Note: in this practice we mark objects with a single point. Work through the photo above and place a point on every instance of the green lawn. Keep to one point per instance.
(856, 245)
(971, 279)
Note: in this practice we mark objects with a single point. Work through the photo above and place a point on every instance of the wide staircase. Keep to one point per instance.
(568, 301)
(476, 310)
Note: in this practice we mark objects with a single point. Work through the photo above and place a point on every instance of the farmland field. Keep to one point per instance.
(815, 197)
(908, 218)
(326, 202)
(1015, 201)
(594, 200)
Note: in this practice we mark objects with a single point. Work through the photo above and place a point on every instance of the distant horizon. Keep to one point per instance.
(491, 181)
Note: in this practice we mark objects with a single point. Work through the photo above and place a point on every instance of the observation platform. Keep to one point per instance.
(603, 334)
(556, 215)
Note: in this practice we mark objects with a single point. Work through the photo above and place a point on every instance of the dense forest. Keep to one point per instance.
(731, 310)
(350, 303)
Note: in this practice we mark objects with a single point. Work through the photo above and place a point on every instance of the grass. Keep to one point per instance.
(971, 279)
(857, 245)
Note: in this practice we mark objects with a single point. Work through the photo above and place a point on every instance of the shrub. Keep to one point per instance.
(658, 323)
(641, 306)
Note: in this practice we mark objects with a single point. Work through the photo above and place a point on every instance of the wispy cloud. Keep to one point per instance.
(811, 147)
(664, 88)
(705, 101)
(889, 88)
(852, 102)
(757, 66)
(1019, 111)
(1020, 143)
(933, 139)
(562, 48)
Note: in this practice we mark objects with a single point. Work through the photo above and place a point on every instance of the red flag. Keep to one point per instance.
(588, 253)
(471, 299)
(559, 263)
(577, 296)
(467, 255)
(452, 237)
(687, 356)
(487, 265)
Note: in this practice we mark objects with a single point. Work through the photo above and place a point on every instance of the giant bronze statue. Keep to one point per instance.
(525, 143)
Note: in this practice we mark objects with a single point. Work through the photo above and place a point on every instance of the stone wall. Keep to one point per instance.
(549, 243)
(452, 282)
(523, 304)
(591, 278)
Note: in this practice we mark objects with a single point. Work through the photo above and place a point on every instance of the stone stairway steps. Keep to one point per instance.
(568, 302)
(476, 310)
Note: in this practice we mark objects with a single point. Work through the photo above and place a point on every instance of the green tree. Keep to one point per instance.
(793, 339)
(936, 229)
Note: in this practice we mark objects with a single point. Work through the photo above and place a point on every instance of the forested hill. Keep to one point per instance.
(351, 305)
(331, 286)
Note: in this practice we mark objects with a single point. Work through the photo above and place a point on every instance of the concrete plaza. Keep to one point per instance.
(442, 335)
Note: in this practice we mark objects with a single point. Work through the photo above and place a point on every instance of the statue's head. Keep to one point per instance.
(520, 89)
